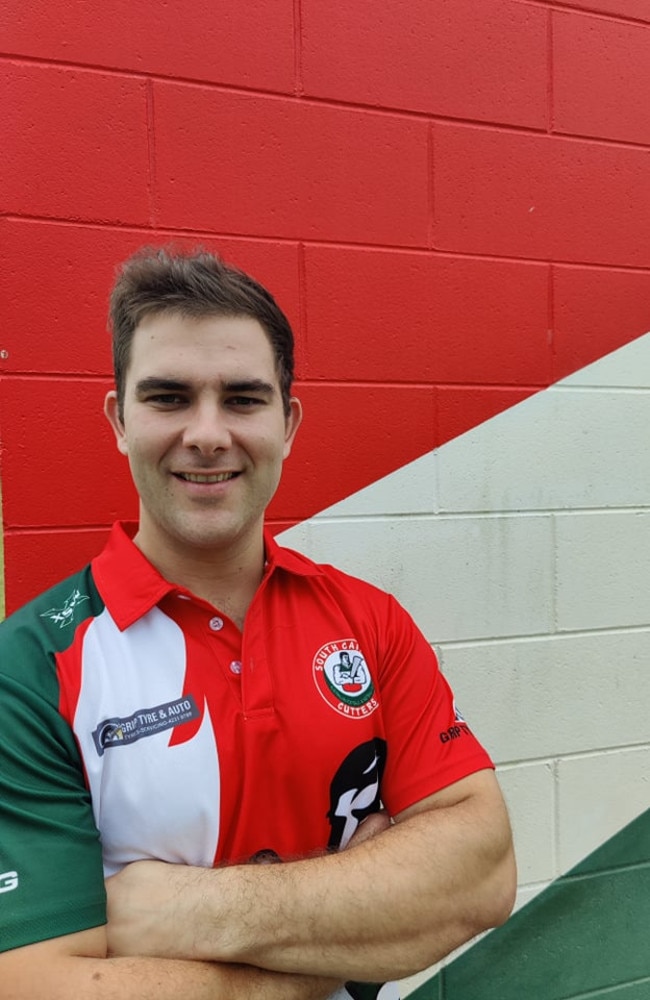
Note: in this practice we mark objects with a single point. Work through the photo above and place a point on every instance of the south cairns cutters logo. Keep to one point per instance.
(343, 679)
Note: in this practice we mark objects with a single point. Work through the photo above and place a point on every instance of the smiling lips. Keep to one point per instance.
(197, 477)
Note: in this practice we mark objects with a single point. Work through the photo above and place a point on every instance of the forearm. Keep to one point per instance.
(161, 979)
(392, 906)
(386, 907)
(169, 979)
(45, 972)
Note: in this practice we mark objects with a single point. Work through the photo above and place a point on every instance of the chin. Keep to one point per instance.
(210, 536)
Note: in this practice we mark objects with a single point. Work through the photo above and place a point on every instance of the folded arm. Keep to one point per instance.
(75, 965)
(388, 906)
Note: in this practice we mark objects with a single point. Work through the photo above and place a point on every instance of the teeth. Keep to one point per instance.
(194, 478)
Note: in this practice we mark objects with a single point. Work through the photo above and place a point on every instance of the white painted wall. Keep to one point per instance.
(522, 548)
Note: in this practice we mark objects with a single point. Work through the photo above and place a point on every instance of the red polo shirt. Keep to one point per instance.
(197, 742)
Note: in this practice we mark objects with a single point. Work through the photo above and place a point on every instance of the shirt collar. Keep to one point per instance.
(130, 586)
(277, 557)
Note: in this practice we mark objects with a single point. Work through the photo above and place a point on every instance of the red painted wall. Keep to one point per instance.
(450, 199)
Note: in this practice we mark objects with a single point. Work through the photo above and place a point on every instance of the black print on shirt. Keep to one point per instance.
(355, 790)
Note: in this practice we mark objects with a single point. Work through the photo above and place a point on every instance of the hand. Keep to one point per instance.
(145, 909)
(369, 827)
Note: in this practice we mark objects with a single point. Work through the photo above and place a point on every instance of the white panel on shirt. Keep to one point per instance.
(150, 800)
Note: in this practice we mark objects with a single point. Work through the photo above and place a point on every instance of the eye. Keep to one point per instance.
(245, 402)
(165, 399)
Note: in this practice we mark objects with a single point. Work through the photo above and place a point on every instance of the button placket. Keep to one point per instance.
(257, 684)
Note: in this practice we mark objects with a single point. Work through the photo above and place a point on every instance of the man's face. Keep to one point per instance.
(204, 430)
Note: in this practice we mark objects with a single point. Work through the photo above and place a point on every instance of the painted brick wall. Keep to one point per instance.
(437, 195)
(451, 200)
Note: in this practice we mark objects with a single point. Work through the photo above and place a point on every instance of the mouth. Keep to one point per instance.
(197, 477)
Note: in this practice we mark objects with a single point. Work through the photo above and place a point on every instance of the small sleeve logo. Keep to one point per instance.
(8, 881)
(65, 615)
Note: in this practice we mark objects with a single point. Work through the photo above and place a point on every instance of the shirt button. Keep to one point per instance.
(216, 623)
(235, 666)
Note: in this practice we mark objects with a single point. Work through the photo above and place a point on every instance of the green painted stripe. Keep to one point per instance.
(628, 991)
(588, 934)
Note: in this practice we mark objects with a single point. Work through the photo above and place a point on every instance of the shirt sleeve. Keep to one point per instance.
(51, 878)
(430, 745)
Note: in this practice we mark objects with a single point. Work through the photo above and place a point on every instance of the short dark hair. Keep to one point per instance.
(195, 284)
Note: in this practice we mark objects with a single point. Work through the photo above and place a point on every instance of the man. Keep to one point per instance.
(199, 699)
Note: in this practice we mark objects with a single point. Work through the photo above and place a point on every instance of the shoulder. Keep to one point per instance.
(364, 604)
(47, 624)
(326, 575)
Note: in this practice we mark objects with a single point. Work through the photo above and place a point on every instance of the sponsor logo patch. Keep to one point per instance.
(120, 732)
(343, 679)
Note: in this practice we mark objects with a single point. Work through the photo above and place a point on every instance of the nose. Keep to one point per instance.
(207, 428)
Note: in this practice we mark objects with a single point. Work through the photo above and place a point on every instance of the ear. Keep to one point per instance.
(292, 423)
(112, 413)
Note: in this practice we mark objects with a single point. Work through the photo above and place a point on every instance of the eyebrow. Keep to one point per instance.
(159, 384)
(155, 384)
(250, 385)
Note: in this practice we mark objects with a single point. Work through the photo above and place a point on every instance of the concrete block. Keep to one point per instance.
(460, 578)
(40, 411)
(553, 696)
(598, 795)
(46, 557)
(601, 71)
(242, 163)
(539, 196)
(67, 318)
(78, 142)
(626, 368)
(560, 449)
(603, 569)
(399, 316)
(597, 310)
(453, 58)
(530, 796)
(246, 44)
(526, 894)
(332, 458)
(463, 408)
(409, 490)
(637, 9)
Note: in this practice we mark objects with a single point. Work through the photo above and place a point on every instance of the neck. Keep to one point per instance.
(226, 578)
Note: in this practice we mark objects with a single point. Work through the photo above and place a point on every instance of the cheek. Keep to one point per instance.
(148, 443)
(142, 454)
